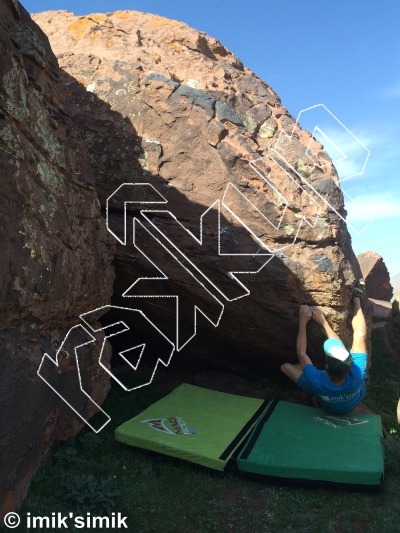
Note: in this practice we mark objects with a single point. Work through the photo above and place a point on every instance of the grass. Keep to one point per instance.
(93, 472)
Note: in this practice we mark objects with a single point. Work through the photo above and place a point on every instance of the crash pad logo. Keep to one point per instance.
(173, 425)
(338, 421)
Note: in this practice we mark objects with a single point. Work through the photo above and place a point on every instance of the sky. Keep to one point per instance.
(342, 56)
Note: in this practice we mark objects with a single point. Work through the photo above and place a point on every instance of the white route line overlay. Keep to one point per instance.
(345, 156)
(304, 180)
(274, 250)
(161, 199)
(283, 134)
(56, 364)
(216, 204)
(126, 328)
(178, 346)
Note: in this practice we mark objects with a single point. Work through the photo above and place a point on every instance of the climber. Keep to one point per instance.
(341, 387)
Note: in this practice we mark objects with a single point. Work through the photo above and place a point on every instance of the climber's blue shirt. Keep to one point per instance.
(335, 399)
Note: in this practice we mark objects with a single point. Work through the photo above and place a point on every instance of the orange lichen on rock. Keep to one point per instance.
(98, 17)
(156, 20)
(176, 47)
(80, 27)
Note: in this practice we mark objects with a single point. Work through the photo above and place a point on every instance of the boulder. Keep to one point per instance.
(376, 275)
(238, 217)
(380, 309)
(395, 283)
(391, 331)
(54, 245)
(172, 110)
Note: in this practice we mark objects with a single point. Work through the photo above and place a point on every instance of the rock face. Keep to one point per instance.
(376, 275)
(391, 332)
(55, 260)
(155, 122)
(381, 309)
(170, 107)
(395, 283)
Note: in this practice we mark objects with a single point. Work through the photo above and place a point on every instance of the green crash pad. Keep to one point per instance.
(299, 443)
(199, 425)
